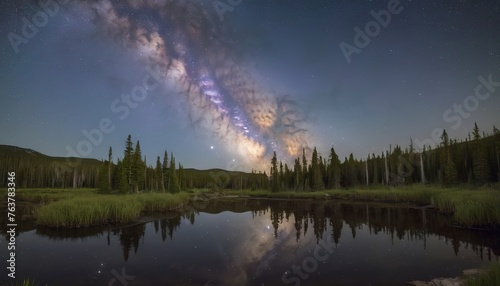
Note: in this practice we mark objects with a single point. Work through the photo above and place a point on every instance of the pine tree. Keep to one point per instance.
(110, 165)
(281, 178)
(274, 173)
(297, 174)
(181, 177)
(127, 160)
(496, 132)
(475, 132)
(120, 178)
(165, 172)
(305, 171)
(103, 181)
(366, 171)
(317, 181)
(159, 175)
(479, 159)
(138, 169)
(174, 186)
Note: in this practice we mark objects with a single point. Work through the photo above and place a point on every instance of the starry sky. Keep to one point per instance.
(223, 84)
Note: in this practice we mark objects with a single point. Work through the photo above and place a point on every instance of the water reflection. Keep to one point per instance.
(253, 242)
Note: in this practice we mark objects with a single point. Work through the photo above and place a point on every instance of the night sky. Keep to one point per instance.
(225, 83)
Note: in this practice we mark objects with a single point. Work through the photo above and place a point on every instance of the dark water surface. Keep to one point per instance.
(258, 242)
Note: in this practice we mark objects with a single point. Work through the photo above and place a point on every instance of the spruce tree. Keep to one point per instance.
(138, 169)
(305, 171)
(274, 173)
(479, 159)
(173, 186)
(165, 171)
(317, 181)
(120, 178)
(103, 181)
(128, 159)
(159, 175)
(297, 174)
(110, 165)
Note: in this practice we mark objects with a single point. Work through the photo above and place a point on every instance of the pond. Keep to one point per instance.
(258, 242)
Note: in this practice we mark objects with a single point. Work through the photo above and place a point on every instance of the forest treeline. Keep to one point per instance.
(472, 161)
(36, 170)
(130, 173)
(133, 174)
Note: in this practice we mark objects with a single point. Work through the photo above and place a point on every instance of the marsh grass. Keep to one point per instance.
(25, 282)
(490, 277)
(416, 194)
(469, 207)
(86, 207)
(158, 202)
(41, 196)
(102, 209)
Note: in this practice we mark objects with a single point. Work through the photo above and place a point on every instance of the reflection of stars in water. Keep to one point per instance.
(99, 271)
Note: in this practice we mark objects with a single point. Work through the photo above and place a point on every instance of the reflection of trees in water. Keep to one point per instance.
(400, 222)
(130, 237)
(24, 218)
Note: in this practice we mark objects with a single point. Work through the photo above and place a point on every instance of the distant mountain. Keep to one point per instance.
(36, 170)
(19, 152)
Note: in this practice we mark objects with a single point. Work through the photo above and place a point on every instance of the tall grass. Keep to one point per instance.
(162, 201)
(415, 194)
(47, 195)
(490, 277)
(102, 209)
(25, 282)
(471, 207)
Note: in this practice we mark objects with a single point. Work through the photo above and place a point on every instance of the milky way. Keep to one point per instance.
(191, 47)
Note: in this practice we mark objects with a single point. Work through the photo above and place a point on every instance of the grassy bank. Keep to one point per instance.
(98, 209)
(86, 207)
(490, 277)
(469, 207)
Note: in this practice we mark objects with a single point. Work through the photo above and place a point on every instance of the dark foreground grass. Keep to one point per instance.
(98, 209)
(490, 277)
(25, 282)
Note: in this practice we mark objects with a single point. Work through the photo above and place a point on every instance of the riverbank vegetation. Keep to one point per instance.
(469, 207)
(473, 161)
(490, 277)
(458, 178)
(473, 207)
(106, 209)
